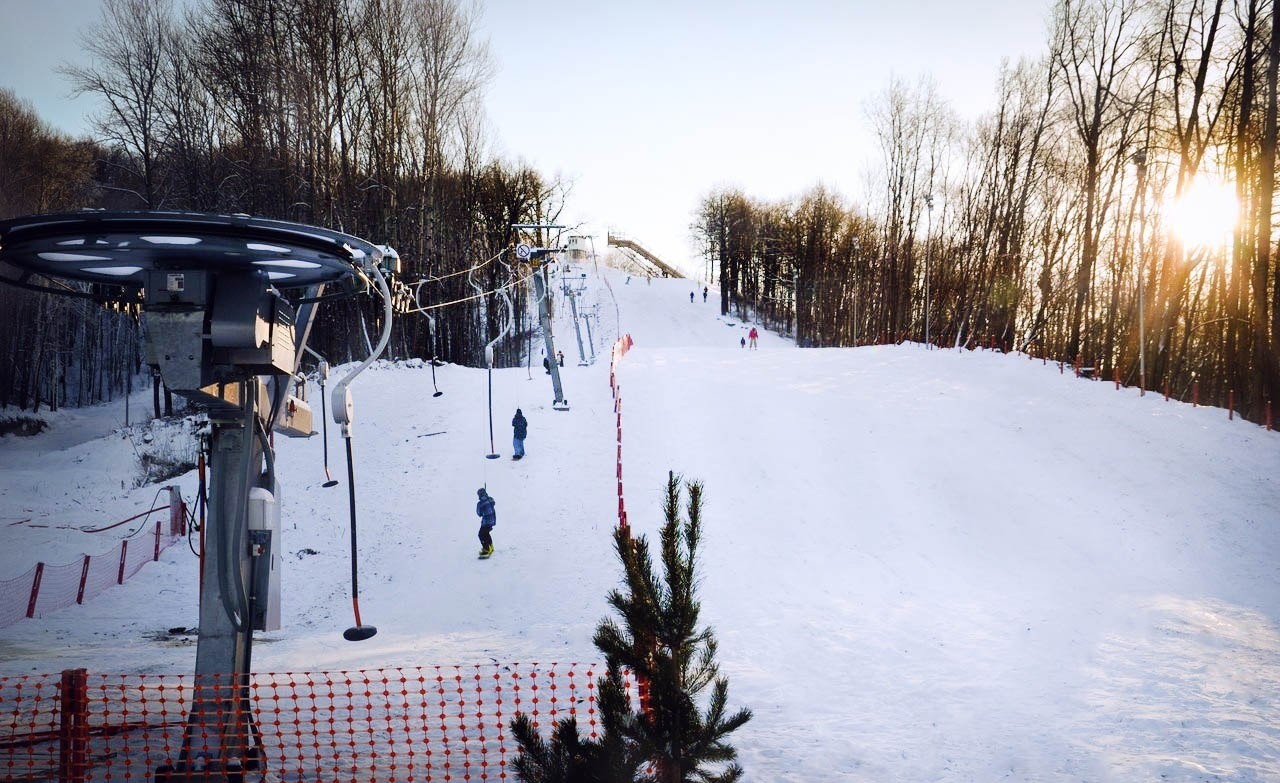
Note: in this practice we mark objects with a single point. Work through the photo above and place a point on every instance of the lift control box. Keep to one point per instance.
(252, 326)
(296, 419)
(264, 551)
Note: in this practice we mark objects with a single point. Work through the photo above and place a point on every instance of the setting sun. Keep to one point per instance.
(1206, 213)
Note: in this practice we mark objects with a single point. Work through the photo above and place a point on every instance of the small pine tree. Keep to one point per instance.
(659, 641)
(568, 759)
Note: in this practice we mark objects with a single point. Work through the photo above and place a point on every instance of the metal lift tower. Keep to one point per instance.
(228, 303)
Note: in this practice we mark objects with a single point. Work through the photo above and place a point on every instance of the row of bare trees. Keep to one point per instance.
(359, 115)
(54, 350)
(1072, 220)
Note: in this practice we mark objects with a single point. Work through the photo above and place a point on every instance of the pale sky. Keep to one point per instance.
(648, 106)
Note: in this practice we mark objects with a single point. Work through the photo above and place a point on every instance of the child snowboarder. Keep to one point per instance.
(520, 429)
(488, 518)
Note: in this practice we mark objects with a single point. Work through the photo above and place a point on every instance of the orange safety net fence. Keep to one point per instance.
(48, 587)
(430, 723)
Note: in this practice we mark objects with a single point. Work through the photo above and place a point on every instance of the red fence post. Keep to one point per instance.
(1231, 404)
(1115, 372)
(177, 512)
(84, 577)
(124, 552)
(1195, 393)
(1268, 415)
(35, 590)
(1166, 389)
(73, 736)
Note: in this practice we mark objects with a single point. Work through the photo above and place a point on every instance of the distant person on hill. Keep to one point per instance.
(704, 294)
(520, 430)
(488, 518)
(560, 358)
(546, 365)
(753, 334)
(743, 342)
(690, 297)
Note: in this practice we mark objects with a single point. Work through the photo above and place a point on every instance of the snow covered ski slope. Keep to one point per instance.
(921, 565)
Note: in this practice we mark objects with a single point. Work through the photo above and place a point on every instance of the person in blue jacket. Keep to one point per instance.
(520, 430)
(488, 518)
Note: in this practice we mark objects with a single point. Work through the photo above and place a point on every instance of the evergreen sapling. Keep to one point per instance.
(656, 638)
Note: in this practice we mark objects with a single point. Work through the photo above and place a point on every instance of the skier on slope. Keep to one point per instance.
(752, 336)
(520, 429)
(488, 518)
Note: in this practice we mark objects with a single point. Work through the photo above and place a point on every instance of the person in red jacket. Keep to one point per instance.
(752, 335)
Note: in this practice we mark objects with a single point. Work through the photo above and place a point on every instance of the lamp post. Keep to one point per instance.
(928, 252)
(854, 248)
(1139, 159)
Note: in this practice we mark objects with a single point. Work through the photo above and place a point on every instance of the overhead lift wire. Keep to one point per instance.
(474, 297)
(466, 271)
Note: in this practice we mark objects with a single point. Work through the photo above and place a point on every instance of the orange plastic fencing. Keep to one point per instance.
(430, 723)
(620, 349)
(15, 596)
(45, 588)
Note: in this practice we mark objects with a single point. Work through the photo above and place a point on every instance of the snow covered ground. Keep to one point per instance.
(921, 565)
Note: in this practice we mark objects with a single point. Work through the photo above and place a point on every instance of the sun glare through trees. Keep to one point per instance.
(1206, 214)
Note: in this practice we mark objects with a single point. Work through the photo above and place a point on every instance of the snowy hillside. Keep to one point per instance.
(921, 565)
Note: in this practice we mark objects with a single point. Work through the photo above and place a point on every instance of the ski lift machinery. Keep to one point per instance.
(225, 336)
(539, 258)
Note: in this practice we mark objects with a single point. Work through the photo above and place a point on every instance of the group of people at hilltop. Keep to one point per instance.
(751, 337)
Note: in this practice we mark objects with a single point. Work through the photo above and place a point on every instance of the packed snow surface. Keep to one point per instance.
(920, 564)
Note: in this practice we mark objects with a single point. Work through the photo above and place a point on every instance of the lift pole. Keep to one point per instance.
(541, 288)
(544, 318)
(220, 740)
